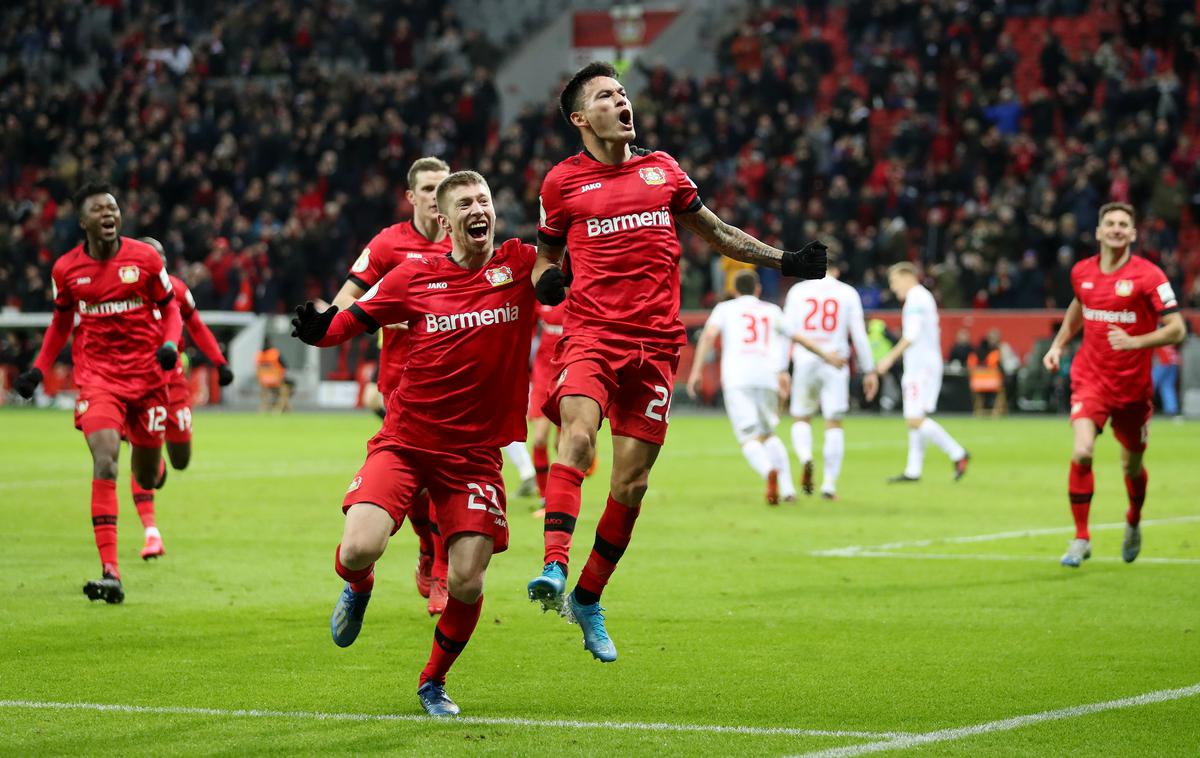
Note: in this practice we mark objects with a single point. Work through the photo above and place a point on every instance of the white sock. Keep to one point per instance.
(933, 432)
(802, 440)
(834, 449)
(152, 531)
(519, 455)
(756, 455)
(916, 454)
(778, 455)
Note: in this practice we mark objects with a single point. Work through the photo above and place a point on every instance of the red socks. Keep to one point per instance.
(1136, 487)
(143, 500)
(562, 509)
(541, 467)
(612, 537)
(104, 522)
(361, 580)
(450, 636)
(1080, 486)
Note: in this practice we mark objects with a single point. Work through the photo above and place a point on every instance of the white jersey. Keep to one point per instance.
(828, 313)
(919, 325)
(754, 348)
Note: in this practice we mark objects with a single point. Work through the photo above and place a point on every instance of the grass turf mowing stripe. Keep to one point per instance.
(467, 720)
(1004, 725)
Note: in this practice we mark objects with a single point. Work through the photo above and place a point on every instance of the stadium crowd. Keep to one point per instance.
(264, 143)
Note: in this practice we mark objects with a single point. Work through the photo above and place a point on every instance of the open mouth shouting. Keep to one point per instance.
(625, 119)
(108, 227)
(477, 231)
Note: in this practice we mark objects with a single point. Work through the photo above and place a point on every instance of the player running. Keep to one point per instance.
(179, 406)
(616, 207)
(115, 293)
(754, 357)
(921, 383)
(460, 399)
(823, 316)
(1119, 301)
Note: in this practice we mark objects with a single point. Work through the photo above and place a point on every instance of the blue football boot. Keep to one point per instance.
(347, 618)
(435, 701)
(595, 637)
(549, 587)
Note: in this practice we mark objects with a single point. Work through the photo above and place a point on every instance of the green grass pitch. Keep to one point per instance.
(874, 615)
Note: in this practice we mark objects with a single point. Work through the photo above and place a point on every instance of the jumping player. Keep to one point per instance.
(1119, 301)
(921, 383)
(616, 207)
(179, 407)
(460, 399)
(754, 357)
(823, 316)
(127, 336)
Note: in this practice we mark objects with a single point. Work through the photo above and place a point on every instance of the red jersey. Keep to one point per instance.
(118, 326)
(618, 225)
(386, 250)
(1134, 298)
(550, 317)
(197, 330)
(467, 380)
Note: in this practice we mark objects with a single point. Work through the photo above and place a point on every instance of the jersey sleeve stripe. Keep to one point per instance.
(550, 239)
(371, 324)
(170, 296)
(693, 206)
(1169, 311)
(358, 282)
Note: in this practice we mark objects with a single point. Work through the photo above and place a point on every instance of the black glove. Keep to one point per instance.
(807, 263)
(551, 289)
(167, 355)
(224, 375)
(309, 326)
(27, 382)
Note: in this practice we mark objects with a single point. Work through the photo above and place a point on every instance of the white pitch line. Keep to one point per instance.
(991, 557)
(470, 720)
(1014, 534)
(1004, 725)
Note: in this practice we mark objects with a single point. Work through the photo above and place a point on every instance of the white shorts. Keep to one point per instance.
(753, 411)
(921, 387)
(817, 384)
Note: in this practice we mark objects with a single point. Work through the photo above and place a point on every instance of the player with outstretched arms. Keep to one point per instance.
(460, 399)
(126, 336)
(179, 404)
(824, 316)
(754, 357)
(1120, 300)
(615, 207)
(921, 383)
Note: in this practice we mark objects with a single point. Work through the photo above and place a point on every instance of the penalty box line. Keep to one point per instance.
(1004, 725)
(462, 720)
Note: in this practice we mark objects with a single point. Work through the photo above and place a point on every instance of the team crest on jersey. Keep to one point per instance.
(498, 276)
(129, 274)
(363, 261)
(355, 483)
(1124, 287)
(652, 175)
(81, 407)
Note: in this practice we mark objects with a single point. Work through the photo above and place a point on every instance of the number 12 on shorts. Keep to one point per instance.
(156, 417)
(657, 404)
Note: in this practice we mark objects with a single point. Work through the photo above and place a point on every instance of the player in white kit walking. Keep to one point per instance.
(823, 316)
(754, 351)
(921, 382)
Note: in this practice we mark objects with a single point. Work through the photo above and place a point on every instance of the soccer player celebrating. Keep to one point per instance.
(615, 207)
(1119, 301)
(754, 356)
(459, 400)
(127, 334)
(921, 383)
(420, 237)
(823, 315)
(179, 406)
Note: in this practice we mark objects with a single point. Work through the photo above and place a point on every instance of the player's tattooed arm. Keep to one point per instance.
(807, 263)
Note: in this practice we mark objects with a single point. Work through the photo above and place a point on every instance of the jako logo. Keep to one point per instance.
(589, 187)
(501, 315)
(436, 286)
(597, 227)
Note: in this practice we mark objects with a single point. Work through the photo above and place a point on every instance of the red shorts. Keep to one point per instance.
(540, 382)
(1130, 421)
(466, 488)
(143, 420)
(179, 409)
(631, 381)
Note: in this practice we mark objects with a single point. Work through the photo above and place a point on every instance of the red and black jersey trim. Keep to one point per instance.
(358, 282)
(371, 324)
(60, 307)
(550, 239)
(693, 206)
(160, 303)
(1169, 311)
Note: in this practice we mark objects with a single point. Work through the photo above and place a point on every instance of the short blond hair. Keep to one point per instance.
(458, 179)
(428, 163)
(904, 267)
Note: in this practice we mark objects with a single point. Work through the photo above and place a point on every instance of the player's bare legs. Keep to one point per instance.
(180, 454)
(365, 534)
(921, 431)
(1136, 480)
(1080, 486)
(468, 556)
(105, 446)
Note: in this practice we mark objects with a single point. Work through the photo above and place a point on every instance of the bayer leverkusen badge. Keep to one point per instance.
(1124, 287)
(498, 276)
(128, 274)
(652, 175)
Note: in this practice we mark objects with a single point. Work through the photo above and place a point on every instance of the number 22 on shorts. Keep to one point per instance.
(663, 400)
